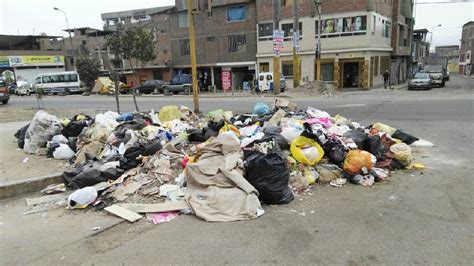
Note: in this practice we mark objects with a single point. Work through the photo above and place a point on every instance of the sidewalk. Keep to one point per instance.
(18, 167)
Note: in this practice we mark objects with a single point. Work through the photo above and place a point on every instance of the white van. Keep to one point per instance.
(58, 83)
(265, 82)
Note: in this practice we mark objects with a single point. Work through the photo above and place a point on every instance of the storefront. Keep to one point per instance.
(27, 67)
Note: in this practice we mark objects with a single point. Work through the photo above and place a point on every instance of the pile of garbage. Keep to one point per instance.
(316, 87)
(219, 166)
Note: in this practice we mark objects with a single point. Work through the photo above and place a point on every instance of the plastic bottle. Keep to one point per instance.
(81, 198)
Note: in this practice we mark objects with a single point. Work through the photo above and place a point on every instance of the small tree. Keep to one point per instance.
(88, 69)
(135, 45)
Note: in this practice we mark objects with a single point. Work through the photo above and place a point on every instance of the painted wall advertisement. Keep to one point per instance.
(33, 60)
(226, 80)
(4, 61)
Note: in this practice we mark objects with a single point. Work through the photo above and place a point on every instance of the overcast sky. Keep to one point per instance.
(36, 16)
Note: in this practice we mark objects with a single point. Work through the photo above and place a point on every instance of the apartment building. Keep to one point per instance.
(401, 40)
(355, 40)
(466, 49)
(420, 49)
(225, 36)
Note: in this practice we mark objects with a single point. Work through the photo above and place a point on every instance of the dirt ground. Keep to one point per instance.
(15, 164)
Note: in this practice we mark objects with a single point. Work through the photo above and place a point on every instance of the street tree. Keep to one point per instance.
(88, 69)
(135, 45)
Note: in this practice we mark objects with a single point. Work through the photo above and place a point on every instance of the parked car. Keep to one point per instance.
(4, 94)
(150, 86)
(179, 83)
(421, 80)
(265, 82)
(23, 88)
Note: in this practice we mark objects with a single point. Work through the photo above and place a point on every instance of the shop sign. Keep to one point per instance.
(4, 61)
(36, 60)
(226, 80)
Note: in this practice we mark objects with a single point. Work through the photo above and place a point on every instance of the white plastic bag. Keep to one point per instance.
(63, 152)
(316, 113)
(107, 119)
(59, 139)
(81, 198)
(42, 128)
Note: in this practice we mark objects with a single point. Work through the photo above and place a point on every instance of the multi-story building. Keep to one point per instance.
(401, 40)
(466, 49)
(25, 56)
(420, 49)
(452, 53)
(355, 40)
(225, 37)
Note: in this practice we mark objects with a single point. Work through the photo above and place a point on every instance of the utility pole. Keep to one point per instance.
(192, 52)
(69, 31)
(296, 39)
(276, 55)
(318, 48)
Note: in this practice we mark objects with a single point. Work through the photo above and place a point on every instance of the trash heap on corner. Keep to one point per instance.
(220, 166)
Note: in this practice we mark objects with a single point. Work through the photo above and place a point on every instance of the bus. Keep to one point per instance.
(58, 83)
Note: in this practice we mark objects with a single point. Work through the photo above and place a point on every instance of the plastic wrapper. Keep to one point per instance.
(306, 150)
(42, 128)
(356, 160)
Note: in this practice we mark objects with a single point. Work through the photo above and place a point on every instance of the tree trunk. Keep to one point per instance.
(117, 95)
(133, 89)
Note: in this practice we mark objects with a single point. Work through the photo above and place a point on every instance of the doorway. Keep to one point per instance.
(351, 75)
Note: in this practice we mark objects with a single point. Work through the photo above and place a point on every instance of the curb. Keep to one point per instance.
(34, 184)
(205, 96)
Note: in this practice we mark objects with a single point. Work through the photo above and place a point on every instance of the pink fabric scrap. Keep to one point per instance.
(162, 217)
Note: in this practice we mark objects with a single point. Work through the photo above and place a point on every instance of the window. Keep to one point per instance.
(46, 79)
(165, 51)
(288, 30)
(287, 68)
(237, 43)
(183, 20)
(184, 47)
(374, 20)
(264, 67)
(84, 42)
(211, 39)
(37, 81)
(265, 31)
(209, 14)
(236, 13)
(283, 2)
(386, 25)
(327, 72)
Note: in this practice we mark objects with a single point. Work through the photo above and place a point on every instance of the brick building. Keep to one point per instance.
(355, 40)
(401, 40)
(466, 49)
(225, 41)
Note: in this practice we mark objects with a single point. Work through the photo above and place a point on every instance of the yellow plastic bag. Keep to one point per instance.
(168, 113)
(356, 160)
(402, 152)
(231, 128)
(385, 128)
(306, 150)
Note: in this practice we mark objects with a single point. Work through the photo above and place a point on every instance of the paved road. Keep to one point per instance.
(416, 218)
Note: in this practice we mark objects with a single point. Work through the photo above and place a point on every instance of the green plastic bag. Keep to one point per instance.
(168, 113)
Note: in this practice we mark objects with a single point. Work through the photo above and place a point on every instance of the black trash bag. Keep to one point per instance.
(317, 136)
(404, 137)
(274, 132)
(129, 159)
(376, 147)
(72, 143)
(396, 165)
(52, 147)
(77, 179)
(359, 137)
(20, 135)
(112, 173)
(269, 174)
(216, 126)
(335, 151)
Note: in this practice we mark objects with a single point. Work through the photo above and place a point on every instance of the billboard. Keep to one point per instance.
(346, 25)
(36, 60)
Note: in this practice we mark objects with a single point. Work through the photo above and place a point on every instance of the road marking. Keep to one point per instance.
(350, 105)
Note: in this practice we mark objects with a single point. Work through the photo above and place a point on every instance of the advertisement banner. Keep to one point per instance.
(4, 62)
(278, 36)
(226, 80)
(36, 60)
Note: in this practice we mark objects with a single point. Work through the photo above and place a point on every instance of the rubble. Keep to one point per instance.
(219, 167)
(317, 88)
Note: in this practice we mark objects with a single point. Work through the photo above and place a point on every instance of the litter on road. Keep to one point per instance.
(218, 166)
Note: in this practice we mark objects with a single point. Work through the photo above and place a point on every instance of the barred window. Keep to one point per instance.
(184, 47)
(237, 43)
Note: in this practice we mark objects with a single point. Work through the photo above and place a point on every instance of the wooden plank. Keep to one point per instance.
(124, 213)
(123, 192)
(158, 207)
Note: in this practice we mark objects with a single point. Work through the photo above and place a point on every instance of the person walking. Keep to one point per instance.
(386, 79)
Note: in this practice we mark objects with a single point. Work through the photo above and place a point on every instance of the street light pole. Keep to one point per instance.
(68, 30)
(431, 37)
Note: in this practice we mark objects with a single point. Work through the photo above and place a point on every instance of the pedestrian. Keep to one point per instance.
(386, 79)
(39, 98)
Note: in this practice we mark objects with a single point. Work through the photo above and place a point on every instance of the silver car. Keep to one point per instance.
(421, 80)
